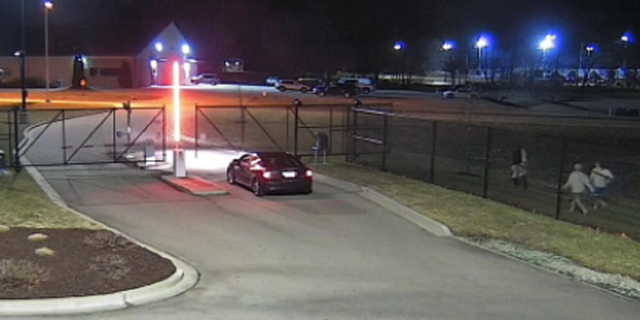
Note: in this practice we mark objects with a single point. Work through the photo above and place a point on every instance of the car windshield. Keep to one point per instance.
(279, 161)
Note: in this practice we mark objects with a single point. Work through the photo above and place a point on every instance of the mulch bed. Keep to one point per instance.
(83, 263)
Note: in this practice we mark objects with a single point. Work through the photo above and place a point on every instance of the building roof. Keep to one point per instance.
(124, 39)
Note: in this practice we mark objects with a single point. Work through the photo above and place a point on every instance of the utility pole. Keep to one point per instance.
(23, 72)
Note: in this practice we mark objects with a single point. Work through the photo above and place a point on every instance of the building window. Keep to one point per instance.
(104, 72)
(110, 72)
(5, 72)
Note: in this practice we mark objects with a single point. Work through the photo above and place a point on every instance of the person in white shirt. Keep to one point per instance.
(578, 183)
(519, 168)
(600, 178)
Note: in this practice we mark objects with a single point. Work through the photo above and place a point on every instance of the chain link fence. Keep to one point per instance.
(479, 159)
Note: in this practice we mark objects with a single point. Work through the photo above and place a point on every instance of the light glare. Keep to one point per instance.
(482, 42)
(48, 5)
(186, 49)
(177, 133)
(548, 42)
(159, 46)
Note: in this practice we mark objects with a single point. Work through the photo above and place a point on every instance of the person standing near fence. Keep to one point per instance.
(600, 178)
(519, 168)
(578, 183)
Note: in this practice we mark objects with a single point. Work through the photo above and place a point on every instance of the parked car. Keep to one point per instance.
(208, 78)
(265, 172)
(292, 85)
(272, 81)
(344, 89)
(365, 84)
(461, 93)
(312, 82)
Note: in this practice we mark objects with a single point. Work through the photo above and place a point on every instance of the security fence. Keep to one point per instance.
(478, 159)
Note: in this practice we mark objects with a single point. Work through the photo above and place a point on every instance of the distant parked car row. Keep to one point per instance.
(206, 78)
(347, 87)
(458, 92)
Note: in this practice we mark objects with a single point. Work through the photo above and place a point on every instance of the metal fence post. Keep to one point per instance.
(16, 139)
(113, 137)
(64, 137)
(296, 104)
(242, 127)
(487, 161)
(288, 110)
(563, 153)
(385, 136)
(434, 133)
(347, 133)
(10, 139)
(195, 127)
(330, 128)
(164, 132)
(354, 133)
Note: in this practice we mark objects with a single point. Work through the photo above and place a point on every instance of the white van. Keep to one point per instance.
(365, 84)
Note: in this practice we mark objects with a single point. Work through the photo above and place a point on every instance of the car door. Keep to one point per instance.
(243, 171)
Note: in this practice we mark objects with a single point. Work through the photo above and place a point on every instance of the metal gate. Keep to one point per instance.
(368, 132)
(82, 136)
(292, 128)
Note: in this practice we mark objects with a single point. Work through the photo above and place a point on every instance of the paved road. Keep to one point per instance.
(330, 255)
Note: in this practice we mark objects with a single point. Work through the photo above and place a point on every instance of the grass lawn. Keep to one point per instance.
(24, 204)
(474, 217)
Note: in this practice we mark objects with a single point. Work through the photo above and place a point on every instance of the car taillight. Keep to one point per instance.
(266, 175)
(309, 173)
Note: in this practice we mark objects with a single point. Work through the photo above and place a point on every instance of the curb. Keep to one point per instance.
(394, 206)
(170, 180)
(184, 278)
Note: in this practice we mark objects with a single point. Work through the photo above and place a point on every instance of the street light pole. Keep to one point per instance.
(23, 71)
(48, 5)
(481, 43)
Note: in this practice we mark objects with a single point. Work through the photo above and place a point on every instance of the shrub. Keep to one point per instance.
(107, 240)
(111, 265)
(45, 252)
(17, 274)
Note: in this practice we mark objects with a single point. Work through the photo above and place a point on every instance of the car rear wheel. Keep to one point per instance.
(231, 178)
(308, 191)
(322, 93)
(449, 96)
(256, 188)
(304, 90)
(347, 95)
(366, 90)
(282, 89)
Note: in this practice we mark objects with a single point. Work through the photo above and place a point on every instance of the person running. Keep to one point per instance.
(600, 179)
(519, 168)
(578, 183)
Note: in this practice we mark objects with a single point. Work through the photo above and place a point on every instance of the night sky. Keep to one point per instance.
(293, 33)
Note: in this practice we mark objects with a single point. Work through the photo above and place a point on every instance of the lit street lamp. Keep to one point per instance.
(447, 46)
(590, 49)
(398, 47)
(186, 49)
(481, 44)
(626, 39)
(159, 46)
(546, 44)
(48, 6)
